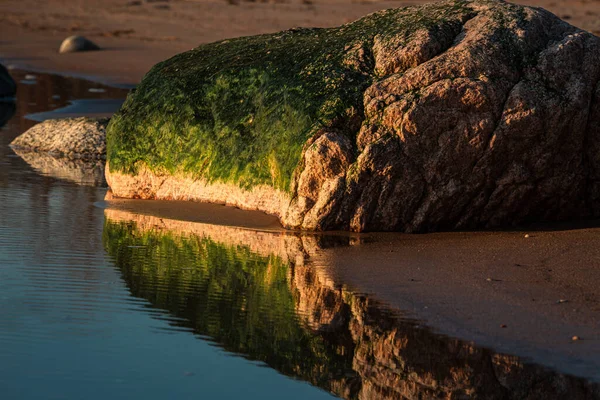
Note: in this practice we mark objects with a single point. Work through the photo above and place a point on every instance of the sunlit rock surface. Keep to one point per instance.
(72, 138)
(452, 115)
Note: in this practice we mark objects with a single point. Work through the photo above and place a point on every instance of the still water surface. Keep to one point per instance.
(70, 326)
(100, 302)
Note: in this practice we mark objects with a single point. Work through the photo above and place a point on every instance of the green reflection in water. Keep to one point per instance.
(237, 298)
(237, 288)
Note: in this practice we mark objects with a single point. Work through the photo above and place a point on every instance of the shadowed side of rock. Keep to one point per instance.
(453, 115)
(8, 87)
(592, 159)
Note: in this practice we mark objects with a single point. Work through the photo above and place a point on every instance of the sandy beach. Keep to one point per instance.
(135, 35)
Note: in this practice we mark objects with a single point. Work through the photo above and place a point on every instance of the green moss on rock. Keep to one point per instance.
(241, 110)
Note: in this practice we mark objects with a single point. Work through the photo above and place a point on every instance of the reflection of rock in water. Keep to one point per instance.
(81, 172)
(7, 110)
(254, 294)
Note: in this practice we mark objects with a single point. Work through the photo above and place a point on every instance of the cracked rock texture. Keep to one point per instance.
(73, 138)
(453, 115)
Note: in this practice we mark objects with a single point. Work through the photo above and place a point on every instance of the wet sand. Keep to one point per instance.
(137, 35)
(205, 213)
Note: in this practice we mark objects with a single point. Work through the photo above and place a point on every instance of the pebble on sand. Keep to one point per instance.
(74, 44)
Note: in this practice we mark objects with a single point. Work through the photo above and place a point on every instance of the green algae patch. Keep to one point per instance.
(241, 110)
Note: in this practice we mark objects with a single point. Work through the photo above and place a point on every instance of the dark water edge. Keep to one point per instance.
(115, 304)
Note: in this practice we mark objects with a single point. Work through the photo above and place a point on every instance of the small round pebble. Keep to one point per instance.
(74, 44)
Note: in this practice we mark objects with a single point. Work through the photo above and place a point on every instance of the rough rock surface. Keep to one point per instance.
(74, 138)
(454, 115)
(73, 44)
(8, 87)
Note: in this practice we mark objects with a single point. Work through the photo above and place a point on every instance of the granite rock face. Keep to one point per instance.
(453, 115)
(73, 138)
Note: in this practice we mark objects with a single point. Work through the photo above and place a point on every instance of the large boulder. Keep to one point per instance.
(453, 115)
(8, 87)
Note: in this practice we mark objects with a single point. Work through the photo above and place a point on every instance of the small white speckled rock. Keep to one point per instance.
(74, 44)
(70, 137)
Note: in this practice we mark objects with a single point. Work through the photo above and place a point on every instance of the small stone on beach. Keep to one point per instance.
(74, 44)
